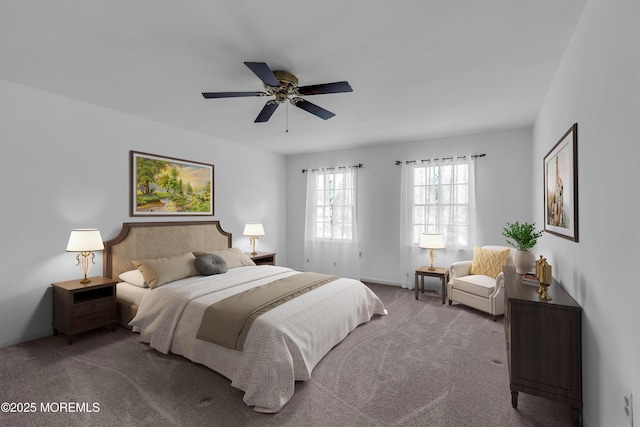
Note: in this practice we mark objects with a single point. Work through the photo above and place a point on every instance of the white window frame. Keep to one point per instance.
(442, 202)
(335, 200)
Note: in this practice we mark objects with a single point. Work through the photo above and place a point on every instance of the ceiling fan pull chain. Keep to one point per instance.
(287, 114)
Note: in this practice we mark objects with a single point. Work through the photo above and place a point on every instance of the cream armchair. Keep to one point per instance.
(481, 291)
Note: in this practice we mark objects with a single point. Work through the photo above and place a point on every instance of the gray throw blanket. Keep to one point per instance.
(228, 321)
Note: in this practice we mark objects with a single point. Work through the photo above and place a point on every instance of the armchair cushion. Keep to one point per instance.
(479, 285)
(488, 262)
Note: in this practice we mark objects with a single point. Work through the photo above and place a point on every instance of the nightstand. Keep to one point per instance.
(79, 307)
(442, 273)
(264, 258)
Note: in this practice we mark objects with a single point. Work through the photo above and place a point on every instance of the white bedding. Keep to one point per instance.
(130, 293)
(283, 345)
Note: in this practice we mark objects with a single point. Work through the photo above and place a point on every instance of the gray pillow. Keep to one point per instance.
(208, 264)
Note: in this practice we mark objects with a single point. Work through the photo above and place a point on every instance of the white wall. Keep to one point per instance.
(598, 86)
(503, 194)
(65, 164)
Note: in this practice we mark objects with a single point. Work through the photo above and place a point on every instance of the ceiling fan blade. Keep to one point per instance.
(312, 108)
(336, 87)
(266, 112)
(263, 71)
(209, 95)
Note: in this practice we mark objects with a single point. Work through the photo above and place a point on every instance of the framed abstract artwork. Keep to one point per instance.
(561, 187)
(166, 186)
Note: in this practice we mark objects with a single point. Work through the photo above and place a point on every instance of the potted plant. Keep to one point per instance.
(523, 237)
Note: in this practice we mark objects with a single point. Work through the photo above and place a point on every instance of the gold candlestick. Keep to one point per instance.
(545, 279)
(538, 272)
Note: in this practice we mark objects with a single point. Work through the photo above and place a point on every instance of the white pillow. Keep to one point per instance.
(133, 277)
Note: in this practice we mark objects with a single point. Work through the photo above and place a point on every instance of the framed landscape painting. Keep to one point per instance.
(561, 187)
(165, 186)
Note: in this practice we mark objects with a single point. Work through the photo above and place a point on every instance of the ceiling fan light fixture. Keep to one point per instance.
(288, 86)
(282, 85)
(281, 96)
(286, 79)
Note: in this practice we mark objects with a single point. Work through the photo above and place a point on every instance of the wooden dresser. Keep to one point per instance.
(544, 343)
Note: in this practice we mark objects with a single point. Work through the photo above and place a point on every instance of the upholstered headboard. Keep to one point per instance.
(145, 240)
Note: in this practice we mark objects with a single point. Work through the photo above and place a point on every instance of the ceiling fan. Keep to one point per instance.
(284, 86)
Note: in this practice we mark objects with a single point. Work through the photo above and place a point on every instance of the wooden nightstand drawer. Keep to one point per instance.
(92, 307)
(91, 320)
(88, 314)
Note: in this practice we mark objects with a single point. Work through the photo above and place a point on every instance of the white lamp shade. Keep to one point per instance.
(85, 240)
(431, 241)
(253, 229)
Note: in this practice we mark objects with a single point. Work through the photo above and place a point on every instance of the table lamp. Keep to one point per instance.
(85, 241)
(431, 242)
(253, 229)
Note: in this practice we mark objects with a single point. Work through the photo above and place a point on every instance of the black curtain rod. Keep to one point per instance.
(442, 159)
(359, 165)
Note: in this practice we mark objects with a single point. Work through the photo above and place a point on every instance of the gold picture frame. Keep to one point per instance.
(167, 186)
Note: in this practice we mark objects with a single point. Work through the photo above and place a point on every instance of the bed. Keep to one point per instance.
(283, 344)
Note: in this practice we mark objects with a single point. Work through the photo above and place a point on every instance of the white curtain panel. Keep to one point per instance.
(331, 230)
(450, 203)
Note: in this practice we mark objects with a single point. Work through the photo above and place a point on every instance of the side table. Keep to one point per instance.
(79, 307)
(264, 258)
(442, 273)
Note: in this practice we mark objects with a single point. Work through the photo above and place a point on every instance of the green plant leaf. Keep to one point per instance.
(522, 236)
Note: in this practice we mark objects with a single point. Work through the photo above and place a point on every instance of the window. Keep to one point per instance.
(334, 204)
(331, 232)
(441, 202)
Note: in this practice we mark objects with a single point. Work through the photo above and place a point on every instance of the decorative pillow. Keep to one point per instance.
(488, 262)
(208, 264)
(133, 277)
(234, 257)
(157, 272)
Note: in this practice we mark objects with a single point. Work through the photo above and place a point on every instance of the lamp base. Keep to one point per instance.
(253, 240)
(432, 255)
(85, 259)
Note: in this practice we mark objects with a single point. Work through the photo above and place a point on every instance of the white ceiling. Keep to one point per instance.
(418, 68)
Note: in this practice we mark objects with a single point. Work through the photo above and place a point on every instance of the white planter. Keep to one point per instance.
(524, 261)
